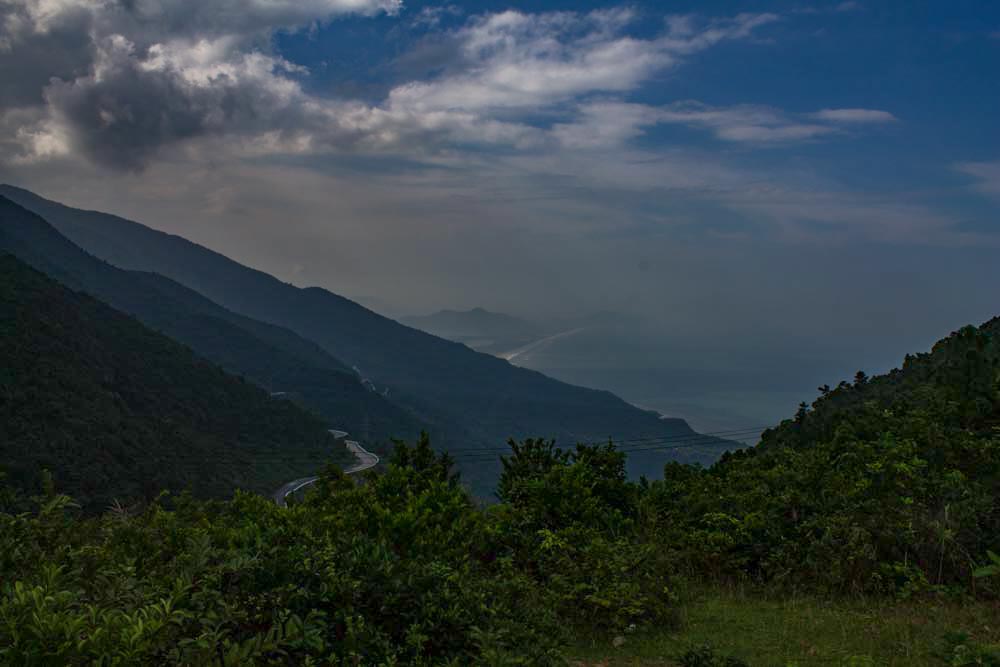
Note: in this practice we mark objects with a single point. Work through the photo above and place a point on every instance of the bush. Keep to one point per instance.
(390, 572)
(705, 656)
(569, 519)
(886, 485)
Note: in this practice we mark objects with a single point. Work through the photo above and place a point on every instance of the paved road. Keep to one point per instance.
(365, 459)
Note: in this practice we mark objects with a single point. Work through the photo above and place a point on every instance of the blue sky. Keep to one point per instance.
(933, 66)
(822, 177)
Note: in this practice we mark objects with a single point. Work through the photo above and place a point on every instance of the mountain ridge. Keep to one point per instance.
(466, 396)
(478, 328)
(117, 411)
(273, 357)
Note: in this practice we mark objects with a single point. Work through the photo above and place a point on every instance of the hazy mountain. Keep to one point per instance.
(115, 410)
(478, 328)
(471, 399)
(273, 357)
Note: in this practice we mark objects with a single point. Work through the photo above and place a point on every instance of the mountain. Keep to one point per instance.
(471, 400)
(115, 410)
(273, 357)
(478, 328)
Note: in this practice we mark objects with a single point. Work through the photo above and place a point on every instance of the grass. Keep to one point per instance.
(766, 630)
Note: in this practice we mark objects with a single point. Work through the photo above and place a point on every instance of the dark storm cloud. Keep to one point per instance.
(116, 80)
(125, 111)
(29, 60)
(156, 18)
(121, 120)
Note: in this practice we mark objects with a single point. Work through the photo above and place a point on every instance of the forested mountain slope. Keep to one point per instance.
(115, 410)
(273, 357)
(471, 399)
(884, 483)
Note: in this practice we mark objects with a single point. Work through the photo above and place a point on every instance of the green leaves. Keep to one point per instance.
(886, 484)
(398, 570)
(991, 570)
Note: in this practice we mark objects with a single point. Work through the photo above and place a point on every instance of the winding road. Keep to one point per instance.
(531, 347)
(365, 458)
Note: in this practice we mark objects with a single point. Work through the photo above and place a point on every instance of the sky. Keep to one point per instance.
(733, 182)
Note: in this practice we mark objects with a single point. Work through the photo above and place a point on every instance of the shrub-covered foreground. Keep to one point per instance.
(403, 569)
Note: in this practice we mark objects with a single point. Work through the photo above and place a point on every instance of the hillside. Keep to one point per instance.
(273, 357)
(470, 399)
(478, 328)
(883, 483)
(117, 411)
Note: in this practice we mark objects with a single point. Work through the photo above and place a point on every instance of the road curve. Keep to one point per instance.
(365, 458)
(532, 346)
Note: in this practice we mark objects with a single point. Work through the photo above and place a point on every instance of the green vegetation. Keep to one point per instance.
(401, 570)
(115, 411)
(883, 485)
(762, 628)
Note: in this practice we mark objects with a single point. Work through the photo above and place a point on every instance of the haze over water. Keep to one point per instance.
(711, 392)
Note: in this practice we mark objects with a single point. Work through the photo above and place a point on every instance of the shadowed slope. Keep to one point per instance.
(273, 357)
(117, 411)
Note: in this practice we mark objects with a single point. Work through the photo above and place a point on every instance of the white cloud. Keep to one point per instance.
(152, 20)
(608, 123)
(849, 6)
(745, 123)
(430, 17)
(605, 124)
(523, 61)
(517, 60)
(170, 73)
(165, 72)
(986, 176)
(855, 116)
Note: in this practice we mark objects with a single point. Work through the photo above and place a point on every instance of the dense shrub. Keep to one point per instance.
(386, 573)
(569, 518)
(885, 484)
(402, 569)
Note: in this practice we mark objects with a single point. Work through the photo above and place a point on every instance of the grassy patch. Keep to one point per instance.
(766, 630)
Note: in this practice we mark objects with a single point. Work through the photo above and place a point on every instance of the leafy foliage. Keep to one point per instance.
(706, 656)
(961, 651)
(884, 484)
(402, 569)
(569, 517)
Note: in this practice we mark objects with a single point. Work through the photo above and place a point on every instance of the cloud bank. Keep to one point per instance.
(120, 82)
